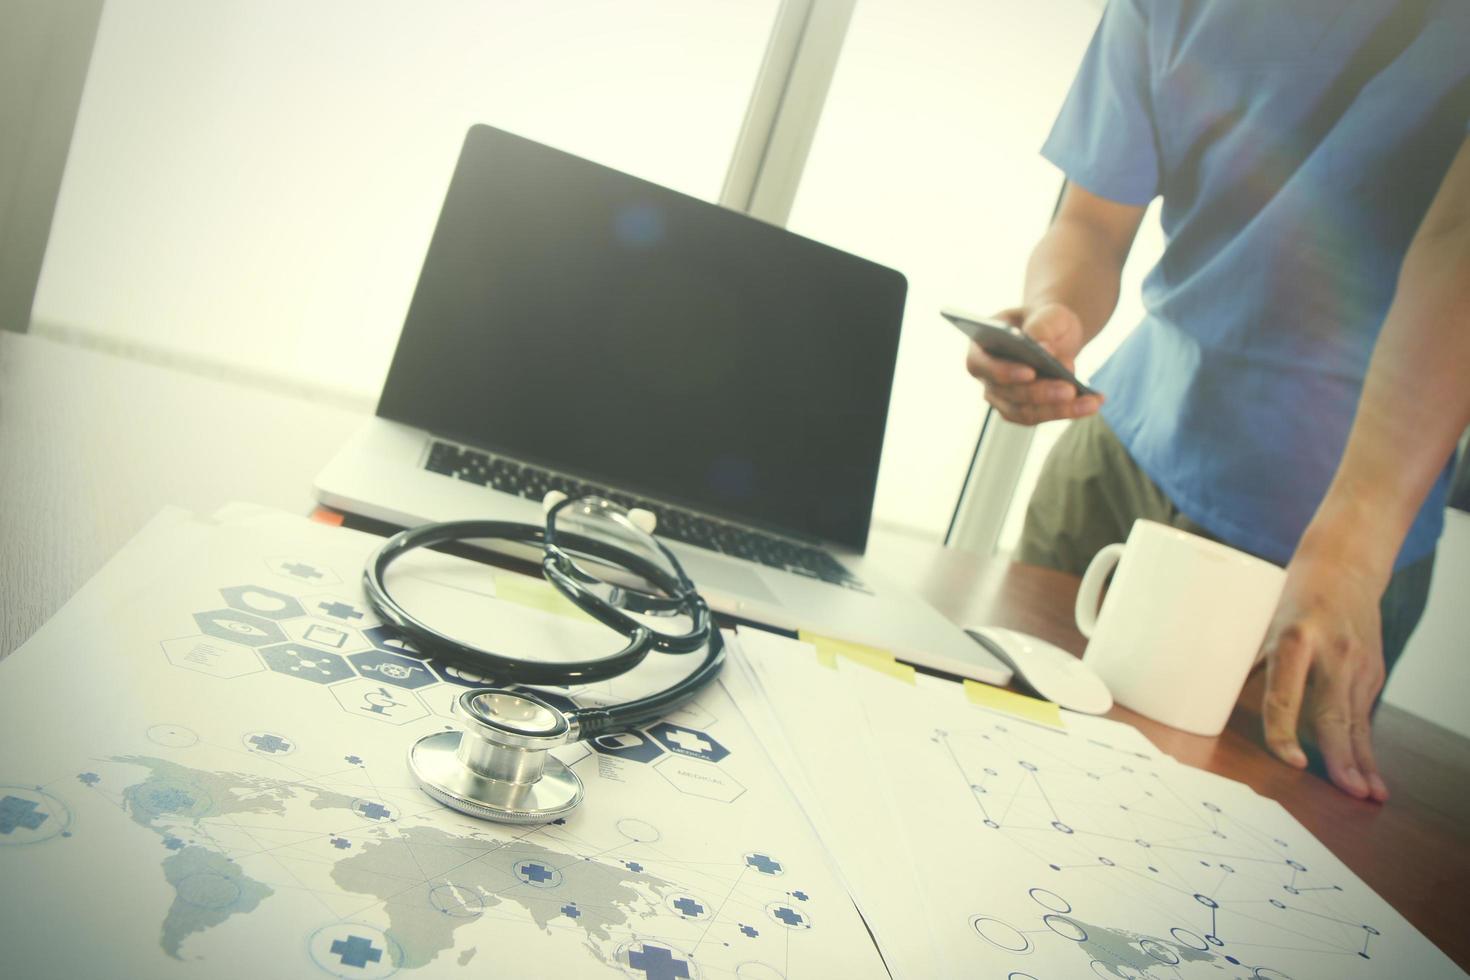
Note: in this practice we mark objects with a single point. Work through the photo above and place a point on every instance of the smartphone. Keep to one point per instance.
(1002, 340)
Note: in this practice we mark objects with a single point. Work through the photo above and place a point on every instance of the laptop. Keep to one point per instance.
(575, 328)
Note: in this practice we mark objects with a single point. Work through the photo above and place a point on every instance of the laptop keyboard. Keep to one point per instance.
(533, 483)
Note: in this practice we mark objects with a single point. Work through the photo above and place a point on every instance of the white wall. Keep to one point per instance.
(254, 182)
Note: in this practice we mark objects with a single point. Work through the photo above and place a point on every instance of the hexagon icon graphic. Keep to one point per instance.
(364, 696)
(634, 746)
(695, 778)
(687, 741)
(390, 668)
(308, 663)
(328, 636)
(262, 601)
(391, 639)
(218, 658)
(440, 698)
(239, 627)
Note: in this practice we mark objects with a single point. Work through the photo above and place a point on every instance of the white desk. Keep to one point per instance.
(92, 445)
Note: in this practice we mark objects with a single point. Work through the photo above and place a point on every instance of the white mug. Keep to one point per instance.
(1181, 625)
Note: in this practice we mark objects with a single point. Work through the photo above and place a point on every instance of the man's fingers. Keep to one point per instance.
(1036, 413)
(1055, 347)
(1365, 690)
(1361, 736)
(1056, 393)
(1326, 633)
(1013, 315)
(1019, 414)
(1334, 721)
(1288, 659)
(996, 370)
(1056, 328)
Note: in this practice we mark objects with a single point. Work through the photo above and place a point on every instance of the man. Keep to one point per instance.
(1299, 381)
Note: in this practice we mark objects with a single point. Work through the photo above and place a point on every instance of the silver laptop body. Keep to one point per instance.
(580, 329)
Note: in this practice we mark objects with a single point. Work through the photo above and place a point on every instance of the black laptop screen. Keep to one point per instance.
(574, 316)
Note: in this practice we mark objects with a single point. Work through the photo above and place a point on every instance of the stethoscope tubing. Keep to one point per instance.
(510, 670)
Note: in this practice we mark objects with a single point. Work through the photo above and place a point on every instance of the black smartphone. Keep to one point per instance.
(1002, 340)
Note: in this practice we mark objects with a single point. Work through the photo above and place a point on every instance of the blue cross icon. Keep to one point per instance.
(657, 963)
(90, 778)
(571, 911)
(373, 811)
(634, 866)
(356, 951)
(17, 812)
(354, 760)
(800, 896)
(789, 916)
(300, 571)
(270, 743)
(763, 864)
(688, 906)
(341, 843)
(535, 872)
(749, 930)
(339, 610)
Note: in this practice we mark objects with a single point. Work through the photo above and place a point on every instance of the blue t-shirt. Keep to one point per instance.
(1297, 145)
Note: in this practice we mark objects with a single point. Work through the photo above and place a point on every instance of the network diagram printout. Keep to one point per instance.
(1036, 854)
(204, 774)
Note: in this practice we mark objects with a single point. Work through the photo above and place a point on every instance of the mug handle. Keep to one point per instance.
(1089, 593)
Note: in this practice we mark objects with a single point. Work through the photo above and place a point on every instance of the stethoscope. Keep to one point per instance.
(499, 766)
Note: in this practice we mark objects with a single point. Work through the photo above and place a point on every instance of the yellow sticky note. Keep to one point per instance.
(829, 649)
(1015, 705)
(535, 593)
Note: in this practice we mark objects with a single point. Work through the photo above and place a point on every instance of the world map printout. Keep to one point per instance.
(205, 774)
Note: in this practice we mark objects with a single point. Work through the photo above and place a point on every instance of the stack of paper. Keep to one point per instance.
(978, 844)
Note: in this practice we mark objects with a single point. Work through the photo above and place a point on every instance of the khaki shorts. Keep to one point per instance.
(1088, 496)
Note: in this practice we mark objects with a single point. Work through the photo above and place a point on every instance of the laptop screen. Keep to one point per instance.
(573, 316)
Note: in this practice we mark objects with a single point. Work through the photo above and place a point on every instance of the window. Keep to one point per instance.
(927, 159)
(253, 183)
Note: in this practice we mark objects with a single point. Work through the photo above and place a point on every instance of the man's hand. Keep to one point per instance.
(1014, 389)
(1414, 406)
(1325, 643)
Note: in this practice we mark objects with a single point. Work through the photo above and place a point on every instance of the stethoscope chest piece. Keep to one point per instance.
(499, 766)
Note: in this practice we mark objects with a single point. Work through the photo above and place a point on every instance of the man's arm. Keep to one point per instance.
(1415, 404)
(1072, 283)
